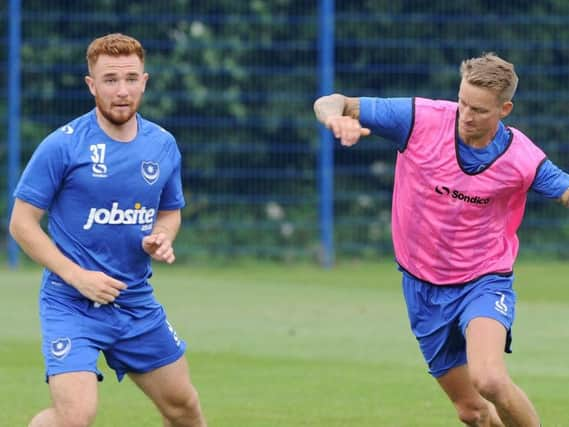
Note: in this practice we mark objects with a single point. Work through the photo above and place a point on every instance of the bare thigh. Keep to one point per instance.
(74, 395)
(168, 385)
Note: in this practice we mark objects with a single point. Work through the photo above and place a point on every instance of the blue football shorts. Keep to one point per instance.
(439, 315)
(74, 332)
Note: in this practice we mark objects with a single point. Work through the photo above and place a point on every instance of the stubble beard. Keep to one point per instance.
(117, 119)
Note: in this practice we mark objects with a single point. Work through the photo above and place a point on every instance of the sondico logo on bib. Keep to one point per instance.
(455, 194)
(116, 216)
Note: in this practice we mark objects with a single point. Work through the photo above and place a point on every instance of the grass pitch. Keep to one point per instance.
(287, 345)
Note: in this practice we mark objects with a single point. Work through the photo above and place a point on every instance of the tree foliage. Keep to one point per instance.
(235, 83)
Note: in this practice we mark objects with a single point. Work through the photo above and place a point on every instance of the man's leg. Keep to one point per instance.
(485, 341)
(472, 409)
(171, 390)
(74, 401)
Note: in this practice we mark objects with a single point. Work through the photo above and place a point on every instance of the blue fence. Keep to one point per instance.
(235, 83)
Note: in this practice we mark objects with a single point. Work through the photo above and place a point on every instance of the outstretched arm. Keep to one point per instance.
(341, 115)
(552, 182)
(25, 228)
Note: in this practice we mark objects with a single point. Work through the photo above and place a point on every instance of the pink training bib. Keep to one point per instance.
(450, 227)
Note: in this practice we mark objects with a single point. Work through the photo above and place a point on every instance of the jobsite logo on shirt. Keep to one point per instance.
(459, 195)
(117, 216)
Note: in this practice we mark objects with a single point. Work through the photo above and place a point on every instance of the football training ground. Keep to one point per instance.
(274, 345)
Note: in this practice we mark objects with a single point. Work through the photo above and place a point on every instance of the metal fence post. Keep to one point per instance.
(326, 164)
(14, 101)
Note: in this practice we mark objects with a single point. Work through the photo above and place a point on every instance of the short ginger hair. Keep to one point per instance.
(115, 44)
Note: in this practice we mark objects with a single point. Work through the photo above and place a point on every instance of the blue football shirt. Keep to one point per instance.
(102, 197)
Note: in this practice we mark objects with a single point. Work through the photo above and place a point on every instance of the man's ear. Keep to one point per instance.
(145, 78)
(90, 84)
(507, 108)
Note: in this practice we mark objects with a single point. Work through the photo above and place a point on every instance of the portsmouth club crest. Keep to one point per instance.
(60, 347)
(150, 172)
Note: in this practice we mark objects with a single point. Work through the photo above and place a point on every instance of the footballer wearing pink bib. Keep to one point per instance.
(461, 182)
(468, 222)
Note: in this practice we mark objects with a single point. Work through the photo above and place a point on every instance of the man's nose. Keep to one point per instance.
(467, 115)
(122, 89)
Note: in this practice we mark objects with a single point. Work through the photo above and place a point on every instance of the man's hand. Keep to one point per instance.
(159, 247)
(347, 129)
(564, 199)
(97, 286)
(341, 115)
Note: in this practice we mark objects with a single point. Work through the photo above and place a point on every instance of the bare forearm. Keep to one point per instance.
(168, 222)
(336, 105)
(38, 246)
(329, 106)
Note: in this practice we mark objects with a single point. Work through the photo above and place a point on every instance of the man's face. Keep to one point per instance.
(479, 111)
(117, 83)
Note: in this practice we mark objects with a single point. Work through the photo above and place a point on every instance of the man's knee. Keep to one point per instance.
(185, 406)
(491, 384)
(78, 417)
(66, 417)
(472, 413)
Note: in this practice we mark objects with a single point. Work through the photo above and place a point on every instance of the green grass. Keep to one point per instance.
(292, 345)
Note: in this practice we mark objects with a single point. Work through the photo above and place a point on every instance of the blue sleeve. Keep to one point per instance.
(44, 173)
(550, 181)
(390, 118)
(172, 196)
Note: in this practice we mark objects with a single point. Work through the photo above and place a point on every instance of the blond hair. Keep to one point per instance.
(492, 72)
(115, 44)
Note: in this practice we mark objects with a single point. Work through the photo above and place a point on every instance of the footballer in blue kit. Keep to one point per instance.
(100, 192)
(110, 182)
